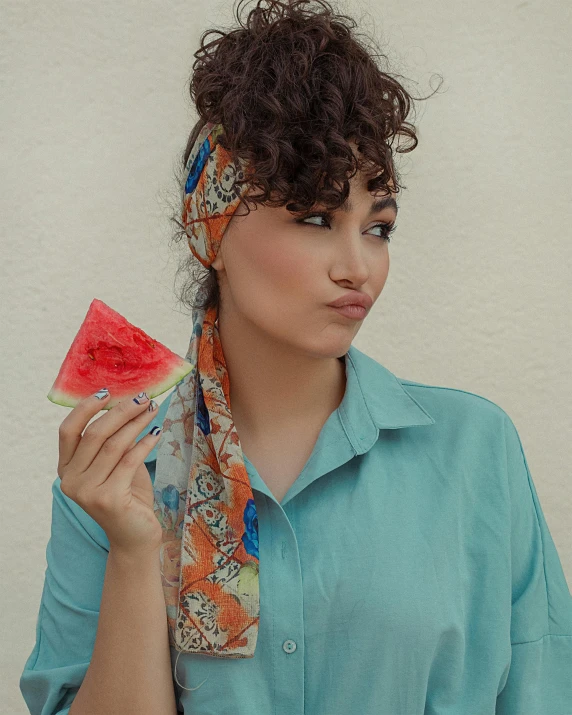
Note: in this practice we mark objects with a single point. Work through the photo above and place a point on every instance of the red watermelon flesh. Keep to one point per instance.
(109, 351)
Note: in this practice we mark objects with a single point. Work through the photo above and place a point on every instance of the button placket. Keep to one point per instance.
(283, 585)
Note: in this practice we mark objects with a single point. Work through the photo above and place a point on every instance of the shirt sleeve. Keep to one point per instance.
(66, 624)
(67, 621)
(539, 679)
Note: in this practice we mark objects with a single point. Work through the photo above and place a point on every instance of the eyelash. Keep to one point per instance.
(388, 228)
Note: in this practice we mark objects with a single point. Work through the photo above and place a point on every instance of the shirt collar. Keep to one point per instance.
(375, 399)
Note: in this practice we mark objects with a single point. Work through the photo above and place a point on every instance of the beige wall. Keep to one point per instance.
(94, 114)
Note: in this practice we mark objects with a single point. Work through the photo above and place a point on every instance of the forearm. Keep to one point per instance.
(130, 668)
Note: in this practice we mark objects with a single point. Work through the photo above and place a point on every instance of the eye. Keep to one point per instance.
(303, 220)
(386, 228)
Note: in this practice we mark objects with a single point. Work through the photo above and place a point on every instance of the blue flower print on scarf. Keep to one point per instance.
(170, 497)
(198, 165)
(202, 414)
(250, 536)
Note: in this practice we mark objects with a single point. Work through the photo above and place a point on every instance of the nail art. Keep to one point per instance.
(102, 394)
(152, 406)
(141, 398)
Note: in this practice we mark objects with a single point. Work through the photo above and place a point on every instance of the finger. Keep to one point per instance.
(132, 443)
(116, 446)
(142, 479)
(106, 433)
(71, 428)
(124, 474)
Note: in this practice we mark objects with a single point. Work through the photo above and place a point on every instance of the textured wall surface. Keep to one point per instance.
(94, 116)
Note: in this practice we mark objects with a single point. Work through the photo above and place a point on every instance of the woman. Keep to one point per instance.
(391, 529)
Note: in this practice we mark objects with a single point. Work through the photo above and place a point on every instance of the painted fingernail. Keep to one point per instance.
(102, 394)
(155, 431)
(152, 406)
(141, 398)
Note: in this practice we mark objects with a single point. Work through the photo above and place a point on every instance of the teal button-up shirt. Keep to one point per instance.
(409, 570)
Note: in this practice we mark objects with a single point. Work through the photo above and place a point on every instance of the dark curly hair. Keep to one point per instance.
(290, 86)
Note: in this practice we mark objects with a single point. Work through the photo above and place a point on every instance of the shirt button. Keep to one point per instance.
(289, 646)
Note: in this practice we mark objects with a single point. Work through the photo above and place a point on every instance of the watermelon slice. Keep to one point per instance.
(109, 351)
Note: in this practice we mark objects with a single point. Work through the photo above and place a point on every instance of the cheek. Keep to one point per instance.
(281, 269)
(268, 279)
(379, 275)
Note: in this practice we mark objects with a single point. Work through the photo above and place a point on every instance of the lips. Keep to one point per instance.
(354, 297)
(353, 311)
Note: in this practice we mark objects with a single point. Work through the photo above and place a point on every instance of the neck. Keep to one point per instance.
(274, 388)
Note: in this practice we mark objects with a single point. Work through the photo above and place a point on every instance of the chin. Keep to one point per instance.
(332, 346)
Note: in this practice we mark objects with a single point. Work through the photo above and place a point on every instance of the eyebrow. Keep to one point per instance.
(378, 205)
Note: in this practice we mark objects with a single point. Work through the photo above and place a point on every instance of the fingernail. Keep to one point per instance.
(155, 431)
(141, 398)
(152, 406)
(102, 394)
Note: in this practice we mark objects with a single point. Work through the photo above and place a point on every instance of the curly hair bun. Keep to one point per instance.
(291, 85)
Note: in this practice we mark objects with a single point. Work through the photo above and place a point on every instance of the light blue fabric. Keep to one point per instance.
(409, 570)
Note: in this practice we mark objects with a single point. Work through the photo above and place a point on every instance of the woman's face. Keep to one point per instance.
(277, 273)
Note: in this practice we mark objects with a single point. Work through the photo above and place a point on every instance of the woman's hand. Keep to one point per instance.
(103, 470)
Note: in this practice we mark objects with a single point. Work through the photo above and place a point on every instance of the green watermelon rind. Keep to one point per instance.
(58, 397)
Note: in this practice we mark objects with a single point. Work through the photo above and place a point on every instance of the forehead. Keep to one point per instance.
(358, 182)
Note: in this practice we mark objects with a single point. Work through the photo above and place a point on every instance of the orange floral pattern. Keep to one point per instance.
(203, 498)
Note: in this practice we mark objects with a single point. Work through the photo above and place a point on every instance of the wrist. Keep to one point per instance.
(143, 558)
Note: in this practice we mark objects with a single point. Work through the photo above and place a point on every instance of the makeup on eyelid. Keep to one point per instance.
(387, 227)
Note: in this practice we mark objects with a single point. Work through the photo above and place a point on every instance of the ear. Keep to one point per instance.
(218, 263)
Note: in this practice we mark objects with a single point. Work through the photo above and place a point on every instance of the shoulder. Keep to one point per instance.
(461, 413)
(475, 443)
(453, 400)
